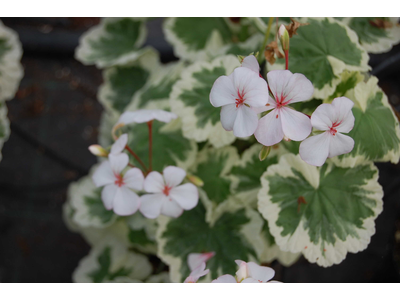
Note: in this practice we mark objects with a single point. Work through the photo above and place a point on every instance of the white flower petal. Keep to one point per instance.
(133, 178)
(118, 162)
(173, 175)
(243, 271)
(315, 149)
(340, 144)
(103, 174)
(146, 115)
(298, 88)
(154, 183)
(269, 130)
(198, 272)
(107, 195)
(170, 208)
(228, 116)
(250, 280)
(126, 202)
(277, 81)
(323, 117)
(246, 122)
(151, 205)
(251, 63)
(345, 116)
(295, 125)
(259, 272)
(270, 105)
(194, 260)
(186, 195)
(223, 92)
(119, 144)
(225, 279)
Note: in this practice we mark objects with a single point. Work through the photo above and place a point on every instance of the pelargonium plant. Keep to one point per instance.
(257, 145)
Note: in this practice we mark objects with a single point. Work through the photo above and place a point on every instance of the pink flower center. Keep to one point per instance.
(119, 180)
(280, 101)
(332, 129)
(166, 190)
(240, 99)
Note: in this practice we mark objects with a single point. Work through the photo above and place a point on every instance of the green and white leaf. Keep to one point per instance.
(213, 166)
(233, 234)
(376, 131)
(246, 173)
(162, 277)
(11, 71)
(111, 261)
(197, 39)
(85, 199)
(190, 101)
(142, 233)
(4, 126)
(349, 80)
(372, 38)
(155, 93)
(170, 147)
(326, 57)
(115, 41)
(339, 216)
(271, 250)
(122, 82)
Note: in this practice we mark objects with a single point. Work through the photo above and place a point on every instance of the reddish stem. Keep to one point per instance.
(150, 125)
(136, 157)
(287, 59)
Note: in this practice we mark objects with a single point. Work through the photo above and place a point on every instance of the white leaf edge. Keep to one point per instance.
(84, 48)
(120, 257)
(300, 241)
(11, 71)
(249, 231)
(215, 134)
(148, 60)
(5, 123)
(337, 65)
(384, 44)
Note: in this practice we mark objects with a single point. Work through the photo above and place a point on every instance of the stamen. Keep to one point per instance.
(166, 190)
(119, 180)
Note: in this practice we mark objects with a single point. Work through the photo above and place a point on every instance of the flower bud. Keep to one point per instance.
(98, 150)
(283, 35)
(265, 150)
(195, 180)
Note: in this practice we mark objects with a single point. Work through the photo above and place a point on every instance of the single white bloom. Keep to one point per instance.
(333, 119)
(248, 273)
(236, 94)
(117, 193)
(251, 63)
(283, 121)
(196, 259)
(167, 197)
(197, 273)
(145, 115)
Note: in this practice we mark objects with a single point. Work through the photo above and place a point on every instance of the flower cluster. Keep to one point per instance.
(122, 181)
(244, 94)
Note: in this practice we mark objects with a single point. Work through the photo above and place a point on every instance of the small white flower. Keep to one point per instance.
(168, 198)
(146, 115)
(248, 273)
(196, 259)
(283, 121)
(237, 93)
(333, 119)
(197, 273)
(117, 193)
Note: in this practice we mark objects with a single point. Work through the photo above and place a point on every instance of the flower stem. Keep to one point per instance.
(137, 158)
(287, 59)
(264, 44)
(150, 125)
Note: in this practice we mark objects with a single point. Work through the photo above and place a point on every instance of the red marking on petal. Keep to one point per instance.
(240, 99)
(305, 247)
(119, 180)
(166, 190)
(324, 249)
(277, 116)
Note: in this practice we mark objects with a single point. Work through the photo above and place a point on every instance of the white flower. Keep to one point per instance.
(196, 259)
(117, 193)
(283, 121)
(251, 63)
(248, 273)
(197, 273)
(237, 93)
(146, 115)
(168, 198)
(333, 119)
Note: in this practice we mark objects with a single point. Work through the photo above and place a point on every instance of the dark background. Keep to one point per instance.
(55, 117)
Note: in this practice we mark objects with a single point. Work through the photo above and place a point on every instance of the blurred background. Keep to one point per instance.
(54, 117)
